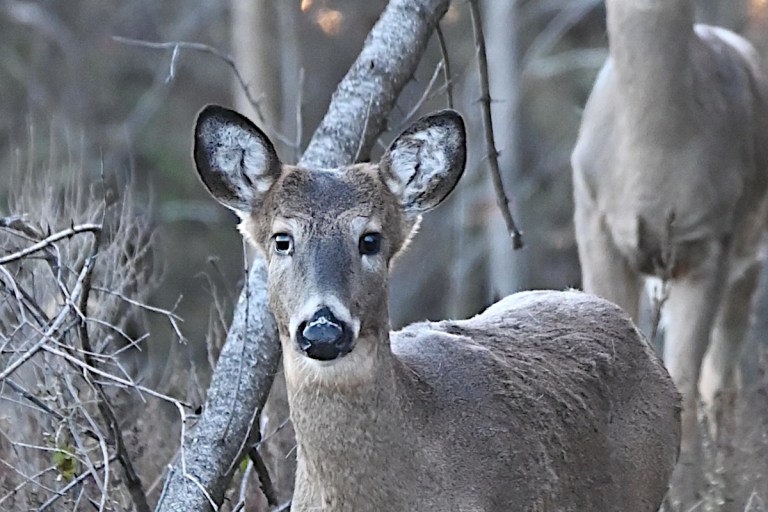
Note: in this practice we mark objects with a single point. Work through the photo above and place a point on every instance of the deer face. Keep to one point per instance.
(328, 235)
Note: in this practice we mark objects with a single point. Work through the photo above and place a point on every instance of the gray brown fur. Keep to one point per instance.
(671, 180)
(547, 401)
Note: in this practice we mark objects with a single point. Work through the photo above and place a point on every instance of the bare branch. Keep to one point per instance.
(26, 481)
(32, 398)
(663, 267)
(485, 103)
(114, 378)
(362, 132)
(424, 96)
(57, 323)
(264, 479)
(299, 115)
(18, 224)
(133, 482)
(73, 430)
(47, 242)
(71, 485)
(175, 46)
(446, 66)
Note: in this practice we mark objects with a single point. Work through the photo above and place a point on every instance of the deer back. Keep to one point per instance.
(548, 401)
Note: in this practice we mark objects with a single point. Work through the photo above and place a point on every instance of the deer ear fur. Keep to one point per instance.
(423, 164)
(236, 161)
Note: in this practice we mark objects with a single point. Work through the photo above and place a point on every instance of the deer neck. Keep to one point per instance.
(650, 46)
(351, 440)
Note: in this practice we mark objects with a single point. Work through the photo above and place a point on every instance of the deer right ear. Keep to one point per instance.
(235, 160)
(423, 164)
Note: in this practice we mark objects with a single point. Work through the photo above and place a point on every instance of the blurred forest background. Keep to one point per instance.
(77, 104)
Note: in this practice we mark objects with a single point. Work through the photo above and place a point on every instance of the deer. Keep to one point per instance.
(547, 400)
(670, 176)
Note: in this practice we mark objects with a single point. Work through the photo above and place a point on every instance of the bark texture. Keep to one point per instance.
(247, 364)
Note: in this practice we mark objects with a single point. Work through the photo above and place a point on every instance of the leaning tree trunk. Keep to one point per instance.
(210, 452)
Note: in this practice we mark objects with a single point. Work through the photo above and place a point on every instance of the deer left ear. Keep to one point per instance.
(235, 160)
(423, 164)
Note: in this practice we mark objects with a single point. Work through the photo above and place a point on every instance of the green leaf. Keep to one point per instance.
(66, 464)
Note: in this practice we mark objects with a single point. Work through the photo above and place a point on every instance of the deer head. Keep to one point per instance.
(329, 235)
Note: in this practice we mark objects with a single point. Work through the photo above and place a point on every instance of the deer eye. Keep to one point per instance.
(283, 244)
(370, 244)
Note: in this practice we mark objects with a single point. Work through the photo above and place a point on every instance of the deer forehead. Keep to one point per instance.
(329, 194)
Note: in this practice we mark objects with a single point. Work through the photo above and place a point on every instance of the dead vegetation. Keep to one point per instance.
(77, 363)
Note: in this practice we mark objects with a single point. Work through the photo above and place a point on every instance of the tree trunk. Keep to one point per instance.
(256, 50)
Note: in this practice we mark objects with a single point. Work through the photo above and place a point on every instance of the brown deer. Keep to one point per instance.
(670, 175)
(546, 401)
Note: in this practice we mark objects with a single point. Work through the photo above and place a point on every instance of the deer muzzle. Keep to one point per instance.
(324, 337)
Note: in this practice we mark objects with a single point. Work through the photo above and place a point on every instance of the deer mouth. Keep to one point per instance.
(324, 337)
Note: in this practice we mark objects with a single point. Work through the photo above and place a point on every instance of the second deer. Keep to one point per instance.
(546, 401)
(671, 180)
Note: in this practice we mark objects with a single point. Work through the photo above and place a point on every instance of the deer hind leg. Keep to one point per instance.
(604, 270)
(718, 383)
(691, 308)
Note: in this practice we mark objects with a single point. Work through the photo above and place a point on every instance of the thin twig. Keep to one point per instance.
(363, 132)
(446, 66)
(48, 334)
(42, 244)
(17, 294)
(269, 436)
(485, 103)
(74, 432)
(114, 378)
(424, 97)
(175, 46)
(32, 398)
(244, 487)
(27, 300)
(182, 459)
(132, 480)
(299, 116)
(27, 480)
(267, 487)
(63, 492)
(663, 268)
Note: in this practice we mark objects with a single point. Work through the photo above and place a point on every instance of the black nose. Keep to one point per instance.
(324, 337)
